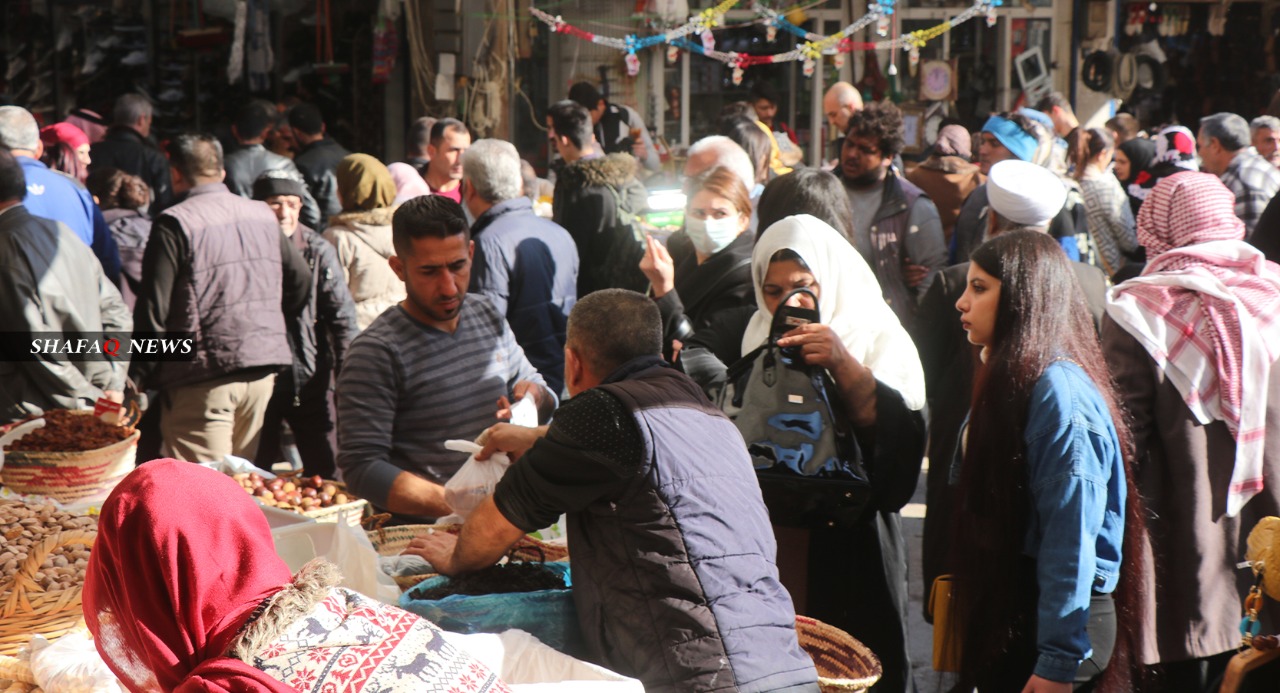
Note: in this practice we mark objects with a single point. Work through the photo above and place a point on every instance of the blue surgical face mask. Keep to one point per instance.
(710, 236)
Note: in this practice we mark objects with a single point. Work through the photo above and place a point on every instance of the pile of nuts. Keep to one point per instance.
(24, 527)
(299, 495)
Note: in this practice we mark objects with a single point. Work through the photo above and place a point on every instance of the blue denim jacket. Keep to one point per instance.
(1076, 526)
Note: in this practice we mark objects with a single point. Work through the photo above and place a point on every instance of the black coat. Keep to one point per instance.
(703, 291)
(596, 201)
(855, 580)
(125, 149)
(324, 328)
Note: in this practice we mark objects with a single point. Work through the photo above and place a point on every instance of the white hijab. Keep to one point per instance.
(850, 302)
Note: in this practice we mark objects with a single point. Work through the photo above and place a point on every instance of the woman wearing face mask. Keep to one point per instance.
(854, 579)
(1045, 500)
(708, 268)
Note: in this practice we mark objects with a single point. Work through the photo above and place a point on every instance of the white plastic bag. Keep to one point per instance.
(71, 665)
(341, 544)
(528, 665)
(472, 483)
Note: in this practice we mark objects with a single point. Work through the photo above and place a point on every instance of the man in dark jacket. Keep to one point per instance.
(674, 574)
(53, 194)
(526, 265)
(51, 283)
(596, 200)
(220, 271)
(247, 163)
(895, 225)
(128, 147)
(319, 337)
(317, 159)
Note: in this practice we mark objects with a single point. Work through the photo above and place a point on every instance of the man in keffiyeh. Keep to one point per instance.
(1191, 343)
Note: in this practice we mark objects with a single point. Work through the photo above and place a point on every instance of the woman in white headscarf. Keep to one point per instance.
(853, 579)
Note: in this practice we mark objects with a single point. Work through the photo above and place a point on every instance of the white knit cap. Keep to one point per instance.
(1024, 193)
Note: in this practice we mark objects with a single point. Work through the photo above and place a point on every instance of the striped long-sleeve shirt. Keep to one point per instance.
(406, 388)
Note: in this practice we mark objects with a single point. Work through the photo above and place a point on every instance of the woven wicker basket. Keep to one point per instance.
(843, 663)
(391, 541)
(357, 510)
(70, 476)
(26, 609)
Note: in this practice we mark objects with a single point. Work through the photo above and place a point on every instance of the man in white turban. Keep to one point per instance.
(1022, 196)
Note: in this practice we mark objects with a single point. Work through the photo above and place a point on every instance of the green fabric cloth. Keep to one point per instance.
(364, 183)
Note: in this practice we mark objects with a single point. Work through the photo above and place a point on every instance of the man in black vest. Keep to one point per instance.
(219, 269)
(674, 574)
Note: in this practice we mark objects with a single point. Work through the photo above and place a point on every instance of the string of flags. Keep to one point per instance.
(814, 47)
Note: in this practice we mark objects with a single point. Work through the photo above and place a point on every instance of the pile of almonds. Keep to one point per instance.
(23, 527)
(299, 495)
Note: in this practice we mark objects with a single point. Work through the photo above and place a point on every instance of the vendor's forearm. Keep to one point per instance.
(486, 536)
(412, 495)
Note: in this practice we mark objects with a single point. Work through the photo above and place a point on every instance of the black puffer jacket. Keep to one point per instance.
(125, 149)
(596, 201)
(321, 333)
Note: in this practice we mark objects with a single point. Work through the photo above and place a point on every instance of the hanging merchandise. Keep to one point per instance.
(385, 45)
(259, 57)
(1096, 71)
(235, 67)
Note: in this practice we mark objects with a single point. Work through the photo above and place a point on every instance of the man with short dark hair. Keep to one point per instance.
(51, 283)
(246, 164)
(896, 226)
(427, 370)
(319, 336)
(128, 146)
(527, 266)
(618, 129)
(764, 98)
(317, 159)
(417, 142)
(449, 139)
(674, 568)
(596, 200)
(1058, 108)
(218, 268)
(1223, 145)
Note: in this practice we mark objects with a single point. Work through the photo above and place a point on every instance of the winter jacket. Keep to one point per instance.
(703, 291)
(596, 201)
(528, 267)
(55, 195)
(317, 162)
(245, 164)
(322, 331)
(50, 282)
(125, 149)
(363, 241)
(229, 289)
(131, 230)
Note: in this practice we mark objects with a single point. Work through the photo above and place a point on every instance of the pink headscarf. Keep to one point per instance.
(409, 183)
(1207, 310)
(63, 132)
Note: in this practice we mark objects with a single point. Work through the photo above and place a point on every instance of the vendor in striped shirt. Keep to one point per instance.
(441, 365)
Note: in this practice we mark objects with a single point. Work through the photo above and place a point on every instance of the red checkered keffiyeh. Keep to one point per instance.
(1206, 308)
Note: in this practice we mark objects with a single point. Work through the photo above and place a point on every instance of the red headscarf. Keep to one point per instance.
(64, 132)
(183, 556)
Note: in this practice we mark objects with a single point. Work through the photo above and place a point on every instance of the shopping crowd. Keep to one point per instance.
(1074, 324)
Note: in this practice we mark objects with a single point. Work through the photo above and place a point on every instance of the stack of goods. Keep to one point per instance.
(312, 496)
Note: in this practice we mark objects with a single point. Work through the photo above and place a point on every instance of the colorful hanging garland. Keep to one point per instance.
(810, 52)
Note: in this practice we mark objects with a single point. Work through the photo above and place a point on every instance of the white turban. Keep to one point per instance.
(1024, 193)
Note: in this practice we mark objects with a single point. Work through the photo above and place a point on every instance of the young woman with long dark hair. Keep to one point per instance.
(1106, 205)
(1047, 516)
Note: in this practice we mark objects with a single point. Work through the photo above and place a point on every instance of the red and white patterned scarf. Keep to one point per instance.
(1207, 309)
